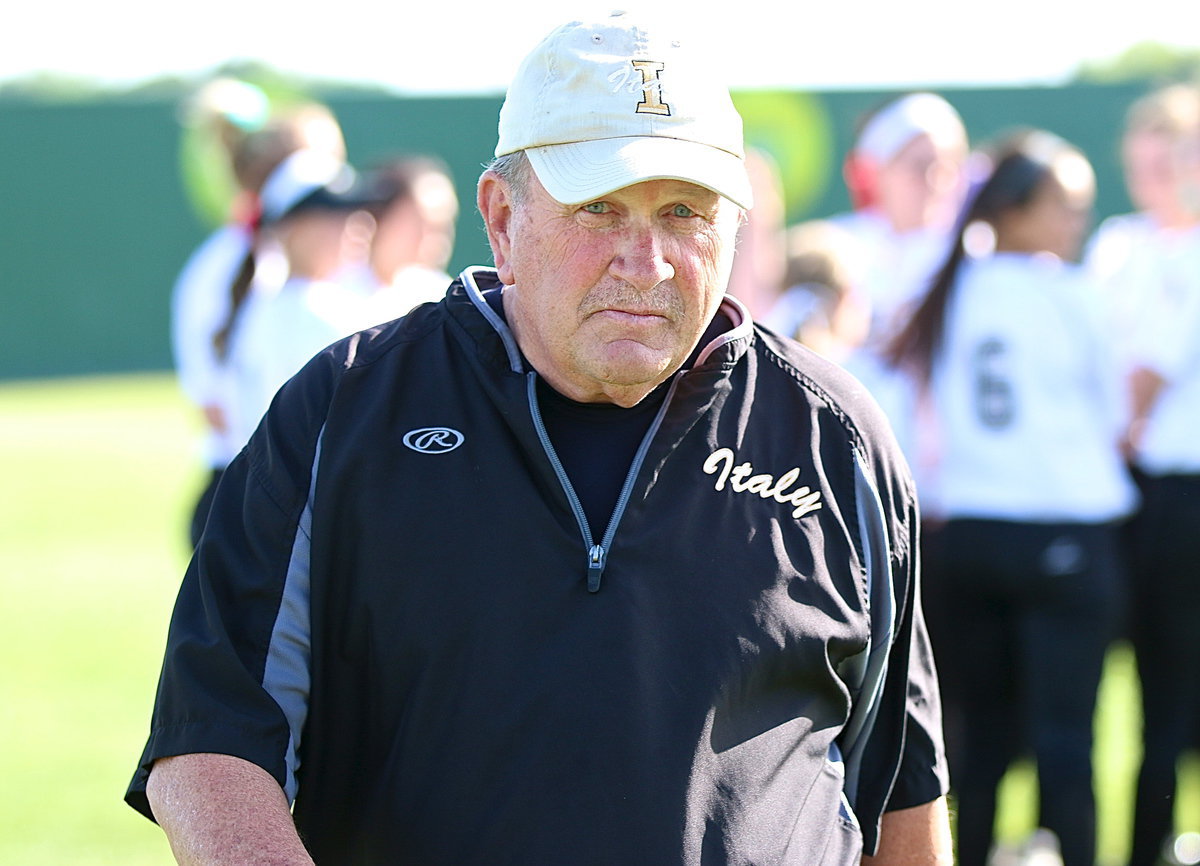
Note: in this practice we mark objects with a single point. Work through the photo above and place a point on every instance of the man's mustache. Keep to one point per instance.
(662, 300)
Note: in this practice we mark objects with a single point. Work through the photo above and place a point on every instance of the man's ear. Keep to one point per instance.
(496, 206)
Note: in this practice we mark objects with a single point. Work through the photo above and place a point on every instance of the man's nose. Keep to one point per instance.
(640, 259)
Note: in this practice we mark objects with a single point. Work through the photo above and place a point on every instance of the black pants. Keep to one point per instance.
(1164, 626)
(1021, 616)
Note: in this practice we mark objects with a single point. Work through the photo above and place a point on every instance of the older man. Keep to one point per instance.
(575, 566)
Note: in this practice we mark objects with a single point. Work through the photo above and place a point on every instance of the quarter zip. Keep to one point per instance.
(597, 553)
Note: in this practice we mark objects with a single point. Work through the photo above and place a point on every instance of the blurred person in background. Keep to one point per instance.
(1025, 595)
(1162, 358)
(414, 216)
(218, 276)
(307, 205)
(905, 176)
(227, 112)
(761, 257)
(1148, 265)
(821, 308)
(1164, 624)
(1158, 156)
(213, 119)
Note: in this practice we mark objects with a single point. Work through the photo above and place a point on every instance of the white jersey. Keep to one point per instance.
(1126, 256)
(1028, 410)
(199, 306)
(1170, 346)
(910, 413)
(200, 303)
(278, 333)
(411, 287)
(895, 270)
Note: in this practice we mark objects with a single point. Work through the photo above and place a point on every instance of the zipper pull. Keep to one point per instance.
(595, 567)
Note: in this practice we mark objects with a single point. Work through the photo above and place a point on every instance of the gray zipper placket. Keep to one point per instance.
(597, 554)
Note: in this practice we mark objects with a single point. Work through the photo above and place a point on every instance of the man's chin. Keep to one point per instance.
(629, 363)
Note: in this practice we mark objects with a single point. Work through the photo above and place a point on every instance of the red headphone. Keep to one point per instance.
(861, 175)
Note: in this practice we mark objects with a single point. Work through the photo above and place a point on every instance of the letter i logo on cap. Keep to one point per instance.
(651, 88)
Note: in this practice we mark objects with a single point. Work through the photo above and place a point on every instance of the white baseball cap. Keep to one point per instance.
(601, 106)
(310, 179)
(902, 120)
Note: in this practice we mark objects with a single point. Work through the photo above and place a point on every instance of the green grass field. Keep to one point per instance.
(98, 477)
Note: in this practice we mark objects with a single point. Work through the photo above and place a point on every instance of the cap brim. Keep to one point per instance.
(326, 199)
(581, 171)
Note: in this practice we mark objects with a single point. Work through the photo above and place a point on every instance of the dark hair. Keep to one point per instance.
(239, 289)
(306, 124)
(1020, 164)
(259, 154)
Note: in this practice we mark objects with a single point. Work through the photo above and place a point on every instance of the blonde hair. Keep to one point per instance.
(1173, 110)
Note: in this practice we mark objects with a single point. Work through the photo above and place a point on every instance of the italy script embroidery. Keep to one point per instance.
(741, 479)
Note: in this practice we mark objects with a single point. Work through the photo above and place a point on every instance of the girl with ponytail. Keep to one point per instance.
(1023, 590)
(220, 276)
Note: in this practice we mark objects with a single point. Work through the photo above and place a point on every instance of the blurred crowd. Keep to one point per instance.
(313, 250)
(1042, 375)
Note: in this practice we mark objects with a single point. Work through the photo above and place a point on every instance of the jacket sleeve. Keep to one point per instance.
(233, 679)
(903, 762)
(923, 775)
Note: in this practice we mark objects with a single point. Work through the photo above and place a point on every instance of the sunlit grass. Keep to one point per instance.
(97, 477)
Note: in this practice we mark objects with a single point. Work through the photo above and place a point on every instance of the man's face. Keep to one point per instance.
(608, 298)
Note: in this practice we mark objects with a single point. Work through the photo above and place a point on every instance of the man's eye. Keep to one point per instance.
(682, 210)
(596, 207)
